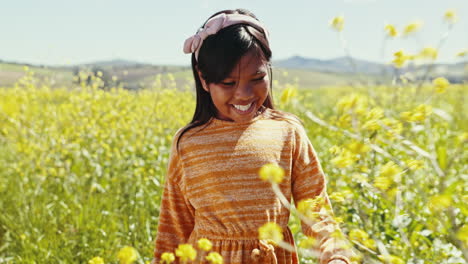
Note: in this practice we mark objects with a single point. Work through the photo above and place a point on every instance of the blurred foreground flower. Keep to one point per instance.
(96, 260)
(440, 84)
(127, 255)
(167, 257)
(462, 53)
(271, 172)
(412, 27)
(337, 23)
(271, 232)
(390, 259)
(391, 30)
(288, 93)
(428, 53)
(451, 16)
(204, 244)
(214, 258)
(362, 237)
(439, 202)
(186, 252)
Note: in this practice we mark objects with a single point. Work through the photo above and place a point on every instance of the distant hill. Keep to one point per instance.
(455, 72)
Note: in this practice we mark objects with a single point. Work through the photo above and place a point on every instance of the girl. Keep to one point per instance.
(212, 188)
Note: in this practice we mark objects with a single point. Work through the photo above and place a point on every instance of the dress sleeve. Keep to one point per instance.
(176, 217)
(308, 182)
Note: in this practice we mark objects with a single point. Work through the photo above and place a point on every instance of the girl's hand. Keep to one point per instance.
(337, 261)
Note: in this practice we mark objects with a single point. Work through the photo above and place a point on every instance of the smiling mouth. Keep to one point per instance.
(244, 109)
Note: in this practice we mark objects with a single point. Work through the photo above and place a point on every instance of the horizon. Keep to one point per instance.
(153, 33)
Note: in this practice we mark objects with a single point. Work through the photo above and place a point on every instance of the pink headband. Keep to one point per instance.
(216, 23)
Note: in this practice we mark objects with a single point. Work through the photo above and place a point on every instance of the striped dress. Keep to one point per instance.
(212, 189)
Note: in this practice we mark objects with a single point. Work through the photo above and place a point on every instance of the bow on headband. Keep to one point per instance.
(216, 23)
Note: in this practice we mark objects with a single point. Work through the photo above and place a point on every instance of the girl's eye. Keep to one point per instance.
(232, 83)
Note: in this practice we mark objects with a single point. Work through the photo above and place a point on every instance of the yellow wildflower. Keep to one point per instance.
(96, 260)
(440, 84)
(167, 257)
(127, 255)
(450, 16)
(308, 242)
(383, 183)
(335, 150)
(421, 112)
(351, 102)
(414, 164)
(337, 23)
(428, 53)
(214, 258)
(337, 197)
(375, 113)
(400, 58)
(371, 125)
(412, 27)
(362, 237)
(186, 252)
(204, 244)
(345, 159)
(390, 169)
(462, 234)
(271, 172)
(289, 92)
(462, 53)
(439, 202)
(310, 207)
(390, 259)
(271, 232)
(391, 30)
(357, 147)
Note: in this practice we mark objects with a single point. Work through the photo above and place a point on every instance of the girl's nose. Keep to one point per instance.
(244, 91)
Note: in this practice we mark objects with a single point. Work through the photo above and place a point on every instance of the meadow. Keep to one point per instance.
(82, 168)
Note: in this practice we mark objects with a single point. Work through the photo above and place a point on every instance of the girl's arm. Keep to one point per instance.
(176, 217)
(308, 182)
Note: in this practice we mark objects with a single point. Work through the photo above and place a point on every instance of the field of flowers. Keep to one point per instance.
(82, 168)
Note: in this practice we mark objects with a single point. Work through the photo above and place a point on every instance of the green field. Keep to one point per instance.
(82, 168)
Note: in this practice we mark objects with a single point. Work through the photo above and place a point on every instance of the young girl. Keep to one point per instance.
(212, 188)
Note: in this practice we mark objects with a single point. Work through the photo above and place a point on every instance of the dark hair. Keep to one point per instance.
(218, 56)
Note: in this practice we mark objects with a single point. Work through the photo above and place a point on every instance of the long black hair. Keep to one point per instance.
(218, 56)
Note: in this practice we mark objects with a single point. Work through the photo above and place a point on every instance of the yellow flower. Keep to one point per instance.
(450, 16)
(289, 92)
(462, 234)
(271, 232)
(390, 169)
(400, 58)
(167, 257)
(375, 113)
(421, 112)
(439, 202)
(214, 258)
(337, 23)
(96, 260)
(428, 53)
(337, 197)
(310, 207)
(383, 183)
(271, 172)
(391, 30)
(440, 84)
(415, 164)
(335, 150)
(390, 259)
(127, 255)
(308, 242)
(345, 159)
(462, 53)
(357, 147)
(186, 252)
(204, 244)
(362, 237)
(351, 102)
(412, 27)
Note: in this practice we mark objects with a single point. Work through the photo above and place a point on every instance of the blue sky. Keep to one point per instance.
(58, 32)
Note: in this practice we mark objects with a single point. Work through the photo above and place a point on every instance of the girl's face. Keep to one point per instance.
(238, 97)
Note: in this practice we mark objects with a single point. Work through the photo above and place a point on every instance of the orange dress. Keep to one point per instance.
(213, 189)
